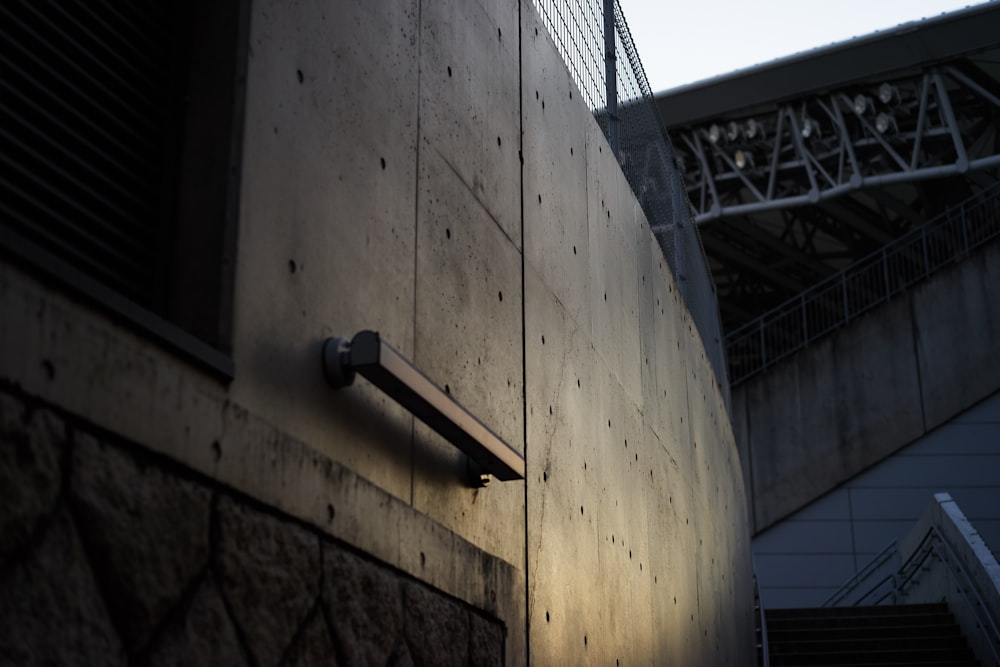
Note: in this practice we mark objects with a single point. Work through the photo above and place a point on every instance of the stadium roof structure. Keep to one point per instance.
(799, 167)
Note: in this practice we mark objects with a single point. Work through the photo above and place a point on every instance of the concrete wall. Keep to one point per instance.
(851, 400)
(427, 170)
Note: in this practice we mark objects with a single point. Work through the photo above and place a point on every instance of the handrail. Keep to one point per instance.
(871, 281)
(765, 655)
(932, 543)
(980, 604)
(861, 575)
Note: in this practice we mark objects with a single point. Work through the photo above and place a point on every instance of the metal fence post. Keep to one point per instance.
(763, 347)
(843, 288)
(805, 320)
(611, 74)
(965, 231)
(885, 273)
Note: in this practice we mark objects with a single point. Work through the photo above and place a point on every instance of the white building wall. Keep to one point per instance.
(802, 560)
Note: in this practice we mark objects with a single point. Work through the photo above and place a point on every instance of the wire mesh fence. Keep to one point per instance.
(864, 285)
(594, 40)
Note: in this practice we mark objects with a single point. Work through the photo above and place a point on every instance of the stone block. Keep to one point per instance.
(269, 573)
(51, 611)
(365, 606)
(202, 635)
(486, 641)
(148, 531)
(313, 646)
(30, 475)
(436, 627)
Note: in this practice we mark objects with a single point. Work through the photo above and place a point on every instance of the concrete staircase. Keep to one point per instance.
(886, 635)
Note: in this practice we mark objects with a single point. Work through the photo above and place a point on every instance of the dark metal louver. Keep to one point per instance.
(86, 132)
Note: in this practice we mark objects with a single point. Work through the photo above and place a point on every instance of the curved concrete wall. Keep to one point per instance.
(428, 170)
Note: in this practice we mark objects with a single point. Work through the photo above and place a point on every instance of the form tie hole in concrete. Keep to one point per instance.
(543, 340)
(609, 423)
(498, 141)
(298, 75)
(539, 199)
(423, 559)
(543, 105)
(570, 150)
(447, 389)
(605, 296)
(626, 443)
(581, 510)
(585, 640)
(536, 94)
(547, 617)
(291, 266)
(500, 295)
(612, 539)
(499, 34)
(545, 476)
(382, 160)
(447, 233)
(536, 32)
(574, 250)
(578, 382)
(550, 409)
(449, 70)
(571, 94)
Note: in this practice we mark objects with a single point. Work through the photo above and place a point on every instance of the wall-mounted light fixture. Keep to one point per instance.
(367, 354)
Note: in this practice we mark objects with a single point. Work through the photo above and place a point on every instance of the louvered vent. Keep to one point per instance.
(85, 119)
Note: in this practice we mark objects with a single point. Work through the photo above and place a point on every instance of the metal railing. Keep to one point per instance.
(612, 82)
(866, 284)
(763, 649)
(889, 578)
(891, 588)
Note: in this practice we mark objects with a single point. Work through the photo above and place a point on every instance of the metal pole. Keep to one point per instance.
(847, 309)
(885, 273)
(611, 74)
(805, 320)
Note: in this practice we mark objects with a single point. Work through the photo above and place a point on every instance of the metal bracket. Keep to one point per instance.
(388, 370)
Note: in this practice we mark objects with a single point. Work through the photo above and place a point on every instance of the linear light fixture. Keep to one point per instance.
(391, 372)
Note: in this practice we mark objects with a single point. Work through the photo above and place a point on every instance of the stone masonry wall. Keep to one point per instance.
(112, 555)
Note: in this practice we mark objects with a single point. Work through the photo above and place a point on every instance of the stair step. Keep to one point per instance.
(874, 644)
(797, 633)
(918, 657)
(886, 635)
(881, 610)
(860, 621)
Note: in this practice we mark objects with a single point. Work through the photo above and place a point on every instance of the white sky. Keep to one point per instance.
(681, 41)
